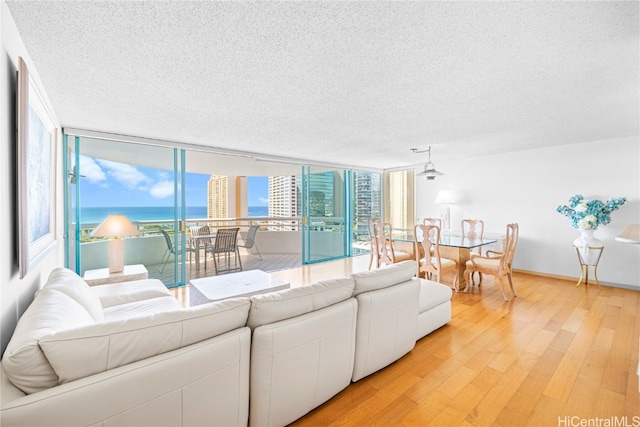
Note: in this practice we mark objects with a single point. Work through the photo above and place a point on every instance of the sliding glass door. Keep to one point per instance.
(325, 214)
(146, 184)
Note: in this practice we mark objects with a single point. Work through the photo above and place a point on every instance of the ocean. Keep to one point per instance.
(154, 213)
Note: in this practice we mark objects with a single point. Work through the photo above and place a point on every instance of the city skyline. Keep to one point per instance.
(104, 183)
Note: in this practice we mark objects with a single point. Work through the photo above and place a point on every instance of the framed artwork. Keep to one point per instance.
(36, 179)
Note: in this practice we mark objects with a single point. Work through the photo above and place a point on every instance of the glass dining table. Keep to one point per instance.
(453, 246)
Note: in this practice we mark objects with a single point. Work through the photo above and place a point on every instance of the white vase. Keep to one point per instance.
(589, 246)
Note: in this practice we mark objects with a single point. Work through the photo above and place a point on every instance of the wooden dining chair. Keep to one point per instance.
(373, 254)
(386, 252)
(473, 229)
(432, 221)
(434, 266)
(495, 263)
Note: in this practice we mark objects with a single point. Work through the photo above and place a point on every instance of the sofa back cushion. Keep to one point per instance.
(288, 303)
(68, 282)
(23, 361)
(87, 350)
(384, 277)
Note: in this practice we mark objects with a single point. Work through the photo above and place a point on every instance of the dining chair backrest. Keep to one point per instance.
(432, 221)
(167, 239)
(201, 230)
(226, 240)
(472, 228)
(429, 237)
(510, 243)
(250, 240)
(383, 243)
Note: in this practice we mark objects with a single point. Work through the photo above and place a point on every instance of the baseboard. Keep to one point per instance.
(575, 279)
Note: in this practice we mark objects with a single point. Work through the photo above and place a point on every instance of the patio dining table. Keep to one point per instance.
(197, 243)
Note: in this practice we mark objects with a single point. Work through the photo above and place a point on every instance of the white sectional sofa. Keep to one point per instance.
(129, 354)
(139, 359)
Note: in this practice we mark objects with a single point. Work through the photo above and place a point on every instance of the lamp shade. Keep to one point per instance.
(445, 197)
(115, 226)
(630, 234)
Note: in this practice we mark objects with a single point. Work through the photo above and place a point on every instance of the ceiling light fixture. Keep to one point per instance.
(429, 171)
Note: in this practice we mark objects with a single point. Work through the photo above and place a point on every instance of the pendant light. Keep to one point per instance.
(429, 171)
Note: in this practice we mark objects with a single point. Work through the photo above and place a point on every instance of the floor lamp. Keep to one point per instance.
(445, 198)
(116, 226)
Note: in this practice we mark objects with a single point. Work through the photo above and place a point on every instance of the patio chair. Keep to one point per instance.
(172, 250)
(250, 240)
(226, 243)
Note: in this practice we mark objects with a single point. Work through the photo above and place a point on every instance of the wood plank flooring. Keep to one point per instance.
(554, 353)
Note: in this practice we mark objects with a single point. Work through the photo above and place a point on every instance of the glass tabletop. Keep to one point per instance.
(407, 235)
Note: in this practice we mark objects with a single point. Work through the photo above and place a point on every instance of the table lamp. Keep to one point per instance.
(630, 234)
(116, 226)
(445, 197)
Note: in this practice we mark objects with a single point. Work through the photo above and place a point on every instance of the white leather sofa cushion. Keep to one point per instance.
(67, 281)
(87, 350)
(432, 294)
(141, 308)
(24, 362)
(299, 363)
(387, 326)
(125, 292)
(434, 307)
(288, 303)
(384, 277)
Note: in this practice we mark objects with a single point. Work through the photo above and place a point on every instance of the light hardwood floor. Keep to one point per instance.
(556, 352)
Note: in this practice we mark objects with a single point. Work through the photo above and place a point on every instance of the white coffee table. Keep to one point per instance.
(241, 284)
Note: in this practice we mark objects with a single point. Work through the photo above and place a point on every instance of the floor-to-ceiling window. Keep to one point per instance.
(145, 183)
(326, 213)
(162, 189)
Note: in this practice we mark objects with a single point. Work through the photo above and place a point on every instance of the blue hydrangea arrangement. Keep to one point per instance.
(589, 215)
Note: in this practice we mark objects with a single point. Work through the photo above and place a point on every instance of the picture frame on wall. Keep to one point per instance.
(36, 174)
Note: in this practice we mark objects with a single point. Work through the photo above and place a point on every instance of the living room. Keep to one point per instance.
(502, 187)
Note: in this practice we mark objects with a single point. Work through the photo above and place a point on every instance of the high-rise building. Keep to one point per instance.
(218, 197)
(284, 198)
(368, 201)
(227, 196)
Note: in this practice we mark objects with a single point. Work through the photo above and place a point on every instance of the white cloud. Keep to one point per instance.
(264, 200)
(90, 170)
(126, 174)
(162, 189)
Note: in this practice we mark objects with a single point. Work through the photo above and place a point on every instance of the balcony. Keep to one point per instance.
(279, 241)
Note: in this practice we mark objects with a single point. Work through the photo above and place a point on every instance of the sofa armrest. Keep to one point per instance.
(126, 292)
(202, 384)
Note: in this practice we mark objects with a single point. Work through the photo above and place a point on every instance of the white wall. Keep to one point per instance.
(16, 294)
(525, 187)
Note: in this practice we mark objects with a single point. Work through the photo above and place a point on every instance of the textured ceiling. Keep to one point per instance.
(357, 83)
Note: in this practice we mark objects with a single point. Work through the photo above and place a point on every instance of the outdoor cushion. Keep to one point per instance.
(125, 292)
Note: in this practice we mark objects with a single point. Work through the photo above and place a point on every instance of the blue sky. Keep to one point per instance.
(105, 183)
